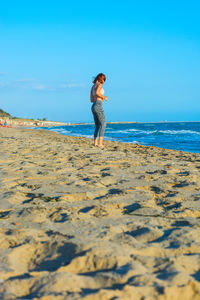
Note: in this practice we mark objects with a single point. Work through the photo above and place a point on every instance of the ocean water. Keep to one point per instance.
(184, 136)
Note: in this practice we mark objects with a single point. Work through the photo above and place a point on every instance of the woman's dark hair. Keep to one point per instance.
(100, 77)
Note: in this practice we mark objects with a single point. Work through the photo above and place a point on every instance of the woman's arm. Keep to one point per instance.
(98, 89)
(91, 96)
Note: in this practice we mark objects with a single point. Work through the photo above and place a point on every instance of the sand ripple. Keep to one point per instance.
(78, 222)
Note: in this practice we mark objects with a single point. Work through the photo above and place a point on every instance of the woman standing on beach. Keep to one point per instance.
(97, 97)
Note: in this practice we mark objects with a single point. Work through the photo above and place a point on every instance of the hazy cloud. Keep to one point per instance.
(25, 80)
(23, 83)
(31, 83)
(3, 73)
(72, 85)
(43, 87)
(40, 87)
(3, 84)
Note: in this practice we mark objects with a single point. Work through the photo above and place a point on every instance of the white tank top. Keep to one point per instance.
(94, 92)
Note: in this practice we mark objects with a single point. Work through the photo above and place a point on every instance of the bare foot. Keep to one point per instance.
(101, 146)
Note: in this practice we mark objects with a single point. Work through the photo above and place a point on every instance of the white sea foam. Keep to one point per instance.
(118, 131)
(179, 132)
(135, 142)
(138, 131)
(125, 131)
(110, 138)
(133, 129)
(83, 135)
(60, 130)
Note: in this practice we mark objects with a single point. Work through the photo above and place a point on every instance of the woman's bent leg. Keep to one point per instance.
(102, 121)
(102, 127)
(97, 125)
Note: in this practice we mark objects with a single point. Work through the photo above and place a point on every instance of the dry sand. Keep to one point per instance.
(79, 222)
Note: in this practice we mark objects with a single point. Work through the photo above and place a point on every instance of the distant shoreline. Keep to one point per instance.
(44, 123)
(131, 122)
(10, 122)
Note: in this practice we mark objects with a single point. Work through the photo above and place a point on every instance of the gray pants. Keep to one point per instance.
(99, 118)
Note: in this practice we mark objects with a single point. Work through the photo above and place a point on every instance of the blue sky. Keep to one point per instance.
(149, 51)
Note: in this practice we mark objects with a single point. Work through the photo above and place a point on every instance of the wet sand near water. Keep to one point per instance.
(79, 222)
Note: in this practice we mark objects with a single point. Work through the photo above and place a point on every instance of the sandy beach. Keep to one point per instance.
(79, 222)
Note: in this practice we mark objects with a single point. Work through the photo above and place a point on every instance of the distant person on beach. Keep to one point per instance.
(97, 97)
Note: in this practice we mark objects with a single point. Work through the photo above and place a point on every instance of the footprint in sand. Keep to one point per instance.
(181, 184)
(58, 216)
